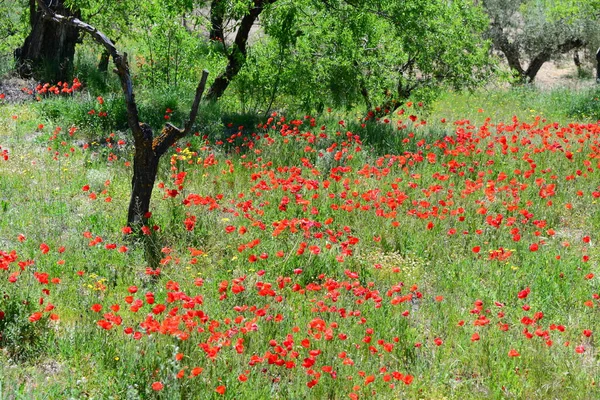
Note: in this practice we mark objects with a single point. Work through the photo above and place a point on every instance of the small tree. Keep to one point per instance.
(148, 148)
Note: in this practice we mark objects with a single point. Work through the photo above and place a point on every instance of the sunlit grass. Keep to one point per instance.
(306, 258)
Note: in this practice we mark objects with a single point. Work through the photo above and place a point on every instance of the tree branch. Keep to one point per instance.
(120, 61)
(170, 133)
(237, 56)
(196, 103)
(169, 136)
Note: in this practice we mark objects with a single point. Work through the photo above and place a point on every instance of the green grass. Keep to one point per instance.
(402, 207)
(562, 105)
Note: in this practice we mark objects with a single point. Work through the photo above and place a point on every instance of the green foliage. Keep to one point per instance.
(14, 25)
(360, 54)
(585, 105)
(366, 51)
(571, 10)
(21, 338)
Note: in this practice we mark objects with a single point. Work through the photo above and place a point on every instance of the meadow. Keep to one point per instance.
(447, 250)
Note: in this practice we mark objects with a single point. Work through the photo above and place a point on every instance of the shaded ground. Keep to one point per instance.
(17, 90)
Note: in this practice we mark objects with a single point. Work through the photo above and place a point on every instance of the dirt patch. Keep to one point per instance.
(561, 74)
(17, 90)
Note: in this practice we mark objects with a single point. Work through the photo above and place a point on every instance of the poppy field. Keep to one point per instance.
(325, 257)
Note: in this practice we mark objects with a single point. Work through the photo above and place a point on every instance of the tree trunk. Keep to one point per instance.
(145, 167)
(217, 16)
(144, 175)
(104, 59)
(510, 50)
(49, 50)
(148, 148)
(535, 65)
(237, 56)
(546, 54)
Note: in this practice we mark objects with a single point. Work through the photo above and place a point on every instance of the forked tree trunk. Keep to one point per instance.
(513, 57)
(49, 50)
(148, 148)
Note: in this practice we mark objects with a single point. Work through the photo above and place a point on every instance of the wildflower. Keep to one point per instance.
(36, 316)
(220, 389)
(524, 293)
(96, 307)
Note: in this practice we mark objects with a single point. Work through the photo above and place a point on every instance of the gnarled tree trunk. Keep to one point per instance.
(511, 52)
(49, 50)
(546, 54)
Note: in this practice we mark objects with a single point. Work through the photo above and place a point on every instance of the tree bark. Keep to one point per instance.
(535, 65)
(104, 59)
(513, 57)
(546, 54)
(145, 168)
(237, 56)
(148, 149)
(510, 50)
(48, 52)
(217, 16)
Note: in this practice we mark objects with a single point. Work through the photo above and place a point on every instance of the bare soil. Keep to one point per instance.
(561, 74)
(17, 90)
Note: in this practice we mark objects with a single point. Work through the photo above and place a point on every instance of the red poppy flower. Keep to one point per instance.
(524, 293)
(221, 389)
(96, 307)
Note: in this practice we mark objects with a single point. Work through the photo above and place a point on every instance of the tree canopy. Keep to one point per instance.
(371, 54)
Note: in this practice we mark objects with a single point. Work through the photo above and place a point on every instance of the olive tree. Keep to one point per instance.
(530, 32)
